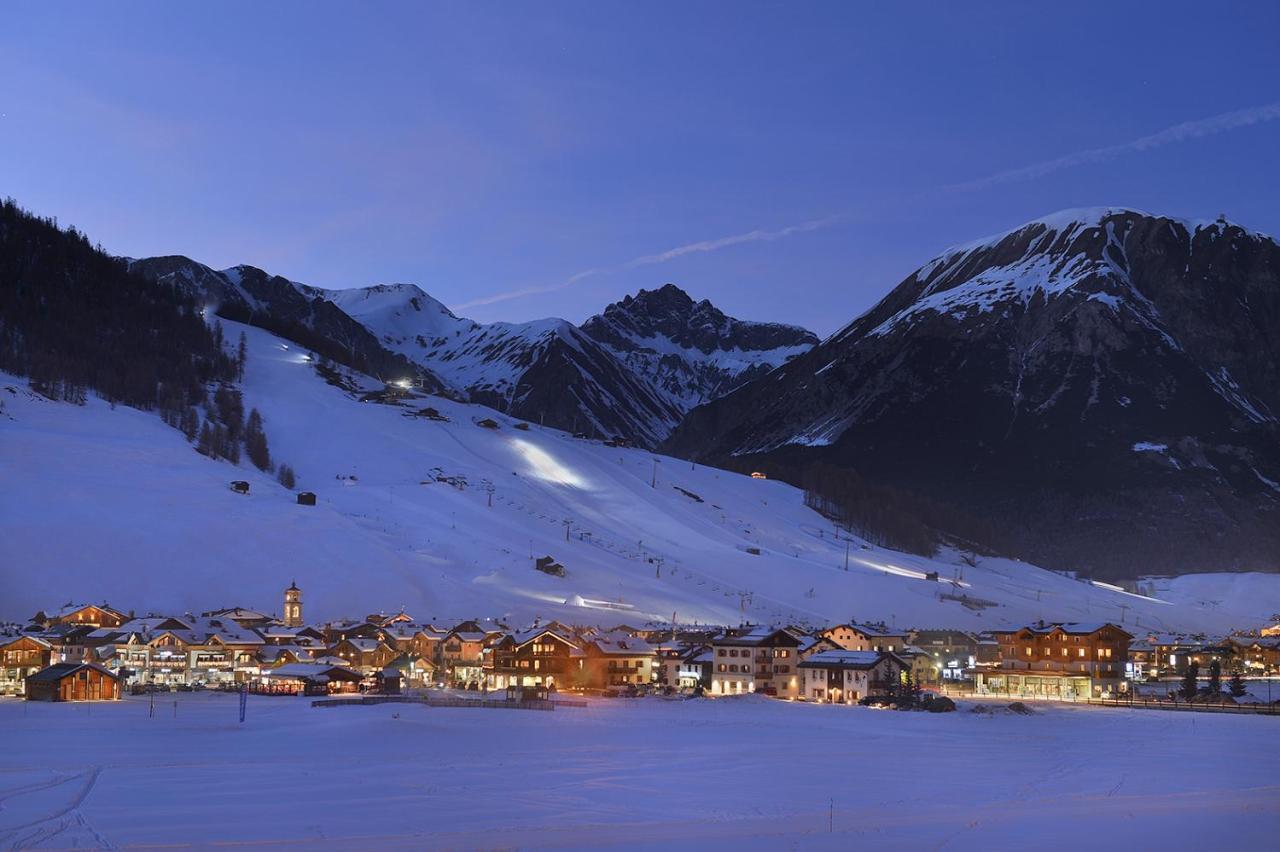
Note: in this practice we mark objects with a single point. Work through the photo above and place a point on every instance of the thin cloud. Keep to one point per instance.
(1170, 135)
(756, 236)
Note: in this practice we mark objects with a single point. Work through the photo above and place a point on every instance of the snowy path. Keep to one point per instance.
(753, 772)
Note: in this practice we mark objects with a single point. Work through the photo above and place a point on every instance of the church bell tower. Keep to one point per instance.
(293, 606)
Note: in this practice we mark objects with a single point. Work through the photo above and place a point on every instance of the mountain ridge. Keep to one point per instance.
(1034, 372)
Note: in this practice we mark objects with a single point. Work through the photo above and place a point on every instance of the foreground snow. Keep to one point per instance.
(755, 773)
(103, 503)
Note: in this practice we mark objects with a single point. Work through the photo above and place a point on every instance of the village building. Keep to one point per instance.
(366, 655)
(1059, 661)
(847, 677)
(96, 615)
(538, 657)
(250, 619)
(307, 679)
(1142, 655)
(922, 665)
(180, 651)
(866, 637)
(694, 668)
(1219, 651)
(274, 656)
(1171, 653)
(381, 619)
(415, 671)
(462, 652)
(762, 659)
(20, 657)
(417, 640)
(810, 645)
(954, 652)
(619, 660)
(73, 682)
(1257, 655)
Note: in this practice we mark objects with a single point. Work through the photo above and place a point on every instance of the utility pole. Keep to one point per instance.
(846, 555)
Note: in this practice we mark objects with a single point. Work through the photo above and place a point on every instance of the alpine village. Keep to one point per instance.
(89, 652)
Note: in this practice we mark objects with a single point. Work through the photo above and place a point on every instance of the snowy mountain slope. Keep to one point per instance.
(293, 310)
(546, 371)
(692, 350)
(110, 503)
(1104, 384)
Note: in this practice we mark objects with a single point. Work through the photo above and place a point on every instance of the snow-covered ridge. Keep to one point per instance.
(1047, 257)
(469, 356)
(692, 350)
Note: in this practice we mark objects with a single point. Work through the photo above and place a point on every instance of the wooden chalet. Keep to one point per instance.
(1067, 660)
(369, 655)
(538, 657)
(73, 682)
(21, 656)
(97, 615)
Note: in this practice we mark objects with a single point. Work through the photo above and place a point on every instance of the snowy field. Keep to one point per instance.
(102, 503)
(755, 773)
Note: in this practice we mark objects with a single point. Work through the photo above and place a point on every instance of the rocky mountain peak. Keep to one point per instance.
(1106, 382)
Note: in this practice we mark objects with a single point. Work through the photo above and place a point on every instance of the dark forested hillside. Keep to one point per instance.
(74, 319)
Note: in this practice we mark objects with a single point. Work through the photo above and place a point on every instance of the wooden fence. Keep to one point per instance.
(1139, 702)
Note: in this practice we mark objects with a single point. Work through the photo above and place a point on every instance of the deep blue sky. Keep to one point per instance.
(478, 149)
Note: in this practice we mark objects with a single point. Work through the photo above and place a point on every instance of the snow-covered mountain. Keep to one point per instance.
(445, 517)
(631, 372)
(1103, 384)
(293, 310)
(547, 371)
(692, 350)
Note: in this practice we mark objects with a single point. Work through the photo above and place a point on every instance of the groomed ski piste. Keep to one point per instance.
(444, 519)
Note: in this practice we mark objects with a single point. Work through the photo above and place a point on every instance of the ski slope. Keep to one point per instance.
(101, 503)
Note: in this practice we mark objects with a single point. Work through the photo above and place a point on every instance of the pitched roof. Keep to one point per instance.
(621, 645)
(58, 671)
(759, 636)
(313, 671)
(845, 659)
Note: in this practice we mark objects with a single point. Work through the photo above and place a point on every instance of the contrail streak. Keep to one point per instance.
(756, 236)
(1169, 136)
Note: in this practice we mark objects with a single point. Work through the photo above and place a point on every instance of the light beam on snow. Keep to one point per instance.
(543, 465)
(907, 572)
(1113, 588)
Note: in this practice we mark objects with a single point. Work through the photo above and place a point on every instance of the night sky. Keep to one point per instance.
(788, 161)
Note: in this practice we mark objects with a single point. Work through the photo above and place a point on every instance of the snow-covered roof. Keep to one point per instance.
(843, 660)
(622, 645)
(756, 636)
(312, 671)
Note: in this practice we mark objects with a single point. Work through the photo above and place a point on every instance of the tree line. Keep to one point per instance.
(75, 320)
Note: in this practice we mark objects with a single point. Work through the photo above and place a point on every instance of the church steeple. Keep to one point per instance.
(293, 605)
